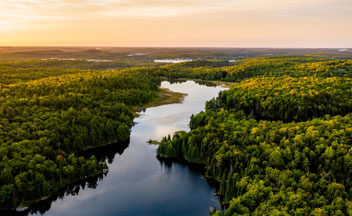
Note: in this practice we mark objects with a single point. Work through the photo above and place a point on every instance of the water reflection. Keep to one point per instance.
(106, 153)
(168, 164)
(137, 182)
(70, 190)
(200, 82)
(177, 60)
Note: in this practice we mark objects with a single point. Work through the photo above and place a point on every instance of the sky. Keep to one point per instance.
(177, 23)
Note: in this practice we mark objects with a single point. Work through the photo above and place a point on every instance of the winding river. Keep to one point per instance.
(137, 182)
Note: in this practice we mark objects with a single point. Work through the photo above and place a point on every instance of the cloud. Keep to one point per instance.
(167, 8)
(131, 21)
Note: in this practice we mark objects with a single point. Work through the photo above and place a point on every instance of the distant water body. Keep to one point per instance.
(74, 59)
(172, 60)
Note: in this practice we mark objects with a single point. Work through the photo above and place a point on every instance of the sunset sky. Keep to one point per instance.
(191, 23)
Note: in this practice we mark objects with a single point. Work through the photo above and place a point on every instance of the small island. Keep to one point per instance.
(153, 142)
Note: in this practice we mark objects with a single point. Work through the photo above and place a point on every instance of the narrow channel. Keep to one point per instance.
(137, 182)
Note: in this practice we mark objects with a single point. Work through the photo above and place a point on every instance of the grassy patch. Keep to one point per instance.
(153, 142)
(165, 96)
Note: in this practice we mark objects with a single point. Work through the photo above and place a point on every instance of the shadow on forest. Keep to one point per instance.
(194, 168)
(104, 153)
(200, 82)
(107, 152)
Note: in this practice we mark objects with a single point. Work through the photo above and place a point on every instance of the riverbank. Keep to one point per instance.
(38, 205)
(215, 82)
(202, 167)
(135, 172)
(165, 96)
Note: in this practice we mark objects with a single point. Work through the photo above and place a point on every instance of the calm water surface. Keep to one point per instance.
(172, 60)
(137, 182)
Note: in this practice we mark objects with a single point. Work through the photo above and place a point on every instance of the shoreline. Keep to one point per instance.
(28, 207)
(202, 167)
(164, 97)
(215, 82)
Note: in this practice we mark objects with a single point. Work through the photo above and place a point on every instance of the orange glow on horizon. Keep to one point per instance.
(207, 23)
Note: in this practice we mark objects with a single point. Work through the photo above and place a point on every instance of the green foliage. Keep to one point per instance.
(265, 167)
(45, 119)
(290, 66)
(278, 66)
(288, 98)
(51, 109)
(274, 167)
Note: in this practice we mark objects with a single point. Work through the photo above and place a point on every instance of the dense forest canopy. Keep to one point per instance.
(257, 67)
(279, 142)
(271, 167)
(45, 121)
(288, 98)
(52, 109)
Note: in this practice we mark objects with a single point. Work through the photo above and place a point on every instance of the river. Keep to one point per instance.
(137, 182)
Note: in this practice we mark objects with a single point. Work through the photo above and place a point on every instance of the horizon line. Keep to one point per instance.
(200, 47)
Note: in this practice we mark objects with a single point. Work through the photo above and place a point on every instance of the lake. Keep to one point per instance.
(137, 182)
(172, 60)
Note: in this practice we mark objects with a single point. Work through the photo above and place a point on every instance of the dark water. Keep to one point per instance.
(137, 182)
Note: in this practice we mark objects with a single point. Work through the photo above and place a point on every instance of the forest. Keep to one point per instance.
(47, 116)
(293, 66)
(277, 142)
(288, 98)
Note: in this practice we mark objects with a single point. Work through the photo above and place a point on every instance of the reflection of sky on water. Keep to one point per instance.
(137, 183)
(172, 117)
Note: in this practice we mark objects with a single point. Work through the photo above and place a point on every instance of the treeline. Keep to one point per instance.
(290, 66)
(294, 66)
(44, 122)
(287, 98)
(271, 167)
(257, 67)
(92, 64)
(49, 110)
(11, 75)
(279, 143)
